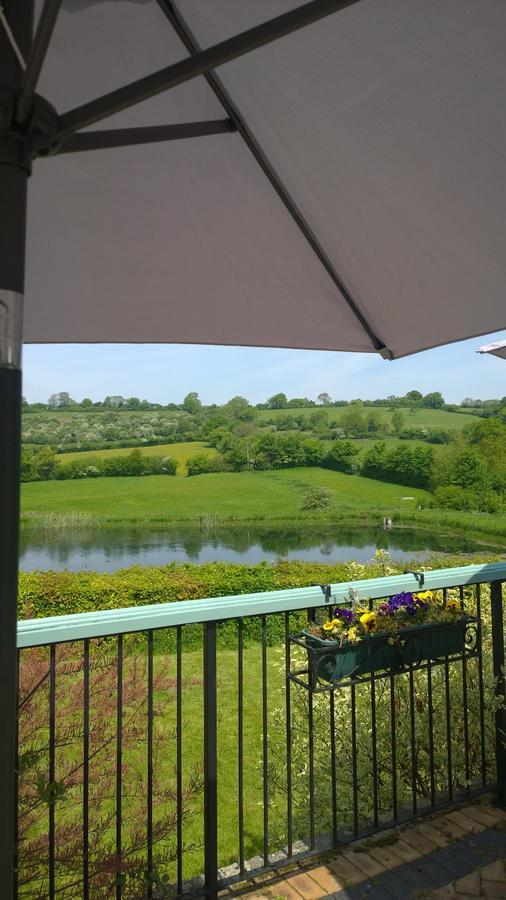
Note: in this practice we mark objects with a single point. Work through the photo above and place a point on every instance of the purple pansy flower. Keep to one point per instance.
(346, 615)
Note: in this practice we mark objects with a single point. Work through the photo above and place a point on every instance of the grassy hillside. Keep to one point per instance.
(423, 418)
(181, 452)
(272, 498)
(247, 496)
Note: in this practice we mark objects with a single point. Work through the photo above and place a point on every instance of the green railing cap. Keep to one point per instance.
(39, 632)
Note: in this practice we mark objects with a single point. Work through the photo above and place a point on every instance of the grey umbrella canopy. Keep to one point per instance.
(497, 349)
(354, 199)
(326, 174)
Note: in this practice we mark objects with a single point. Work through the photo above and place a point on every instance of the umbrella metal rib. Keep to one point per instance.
(197, 64)
(185, 34)
(127, 137)
(40, 45)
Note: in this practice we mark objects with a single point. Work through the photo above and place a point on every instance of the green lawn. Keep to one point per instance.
(181, 452)
(424, 418)
(243, 496)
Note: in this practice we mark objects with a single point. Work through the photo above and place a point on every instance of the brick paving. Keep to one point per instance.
(460, 853)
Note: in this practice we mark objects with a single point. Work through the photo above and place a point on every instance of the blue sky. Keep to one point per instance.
(165, 373)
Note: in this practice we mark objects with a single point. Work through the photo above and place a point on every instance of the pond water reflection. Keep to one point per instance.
(107, 550)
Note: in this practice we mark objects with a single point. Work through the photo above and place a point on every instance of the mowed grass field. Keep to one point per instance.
(423, 418)
(181, 452)
(247, 496)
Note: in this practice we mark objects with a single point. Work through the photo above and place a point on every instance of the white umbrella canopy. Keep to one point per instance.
(497, 349)
(381, 128)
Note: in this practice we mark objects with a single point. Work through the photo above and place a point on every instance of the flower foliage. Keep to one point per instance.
(399, 611)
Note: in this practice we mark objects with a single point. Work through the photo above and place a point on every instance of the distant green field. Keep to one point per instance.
(181, 452)
(270, 496)
(423, 418)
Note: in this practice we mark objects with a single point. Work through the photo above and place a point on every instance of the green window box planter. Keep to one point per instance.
(330, 662)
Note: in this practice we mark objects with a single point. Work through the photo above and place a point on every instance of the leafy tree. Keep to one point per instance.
(191, 403)
(325, 399)
(277, 401)
(353, 421)
(29, 470)
(46, 463)
(469, 470)
(239, 408)
(397, 421)
(341, 457)
(63, 400)
(86, 403)
(434, 400)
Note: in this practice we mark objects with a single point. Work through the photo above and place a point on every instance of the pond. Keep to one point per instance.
(107, 550)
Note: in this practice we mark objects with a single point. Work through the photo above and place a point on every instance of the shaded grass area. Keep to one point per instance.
(272, 498)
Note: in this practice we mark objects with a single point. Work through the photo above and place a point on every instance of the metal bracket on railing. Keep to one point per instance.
(326, 590)
(420, 576)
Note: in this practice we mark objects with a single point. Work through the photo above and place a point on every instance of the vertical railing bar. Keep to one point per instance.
(288, 722)
(464, 703)
(311, 614)
(431, 737)
(394, 748)
(413, 739)
(149, 761)
(480, 688)
(52, 742)
(448, 729)
(448, 717)
(179, 765)
(210, 763)
(119, 765)
(333, 764)
(16, 785)
(374, 750)
(500, 690)
(265, 760)
(354, 758)
(332, 705)
(240, 740)
(86, 768)
(311, 771)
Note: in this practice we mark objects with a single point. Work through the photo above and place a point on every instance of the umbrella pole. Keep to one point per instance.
(15, 162)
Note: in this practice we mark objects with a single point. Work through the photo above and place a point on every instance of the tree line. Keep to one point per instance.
(62, 401)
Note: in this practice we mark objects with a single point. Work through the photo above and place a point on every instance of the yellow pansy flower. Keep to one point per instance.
(453, 604)
(352, 635)
(337, 623)
(426, 596)
(328, 626)
(368, 621)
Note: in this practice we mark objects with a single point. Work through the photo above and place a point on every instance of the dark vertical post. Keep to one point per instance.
(499, 675)
(210, 764)
(14, 171)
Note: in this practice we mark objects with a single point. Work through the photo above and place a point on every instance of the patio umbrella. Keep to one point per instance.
(320, 174)
(497, 349)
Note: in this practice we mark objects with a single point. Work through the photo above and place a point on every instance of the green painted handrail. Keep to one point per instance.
(38, 632)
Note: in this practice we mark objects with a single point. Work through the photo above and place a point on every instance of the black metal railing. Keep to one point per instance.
(160, 745)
